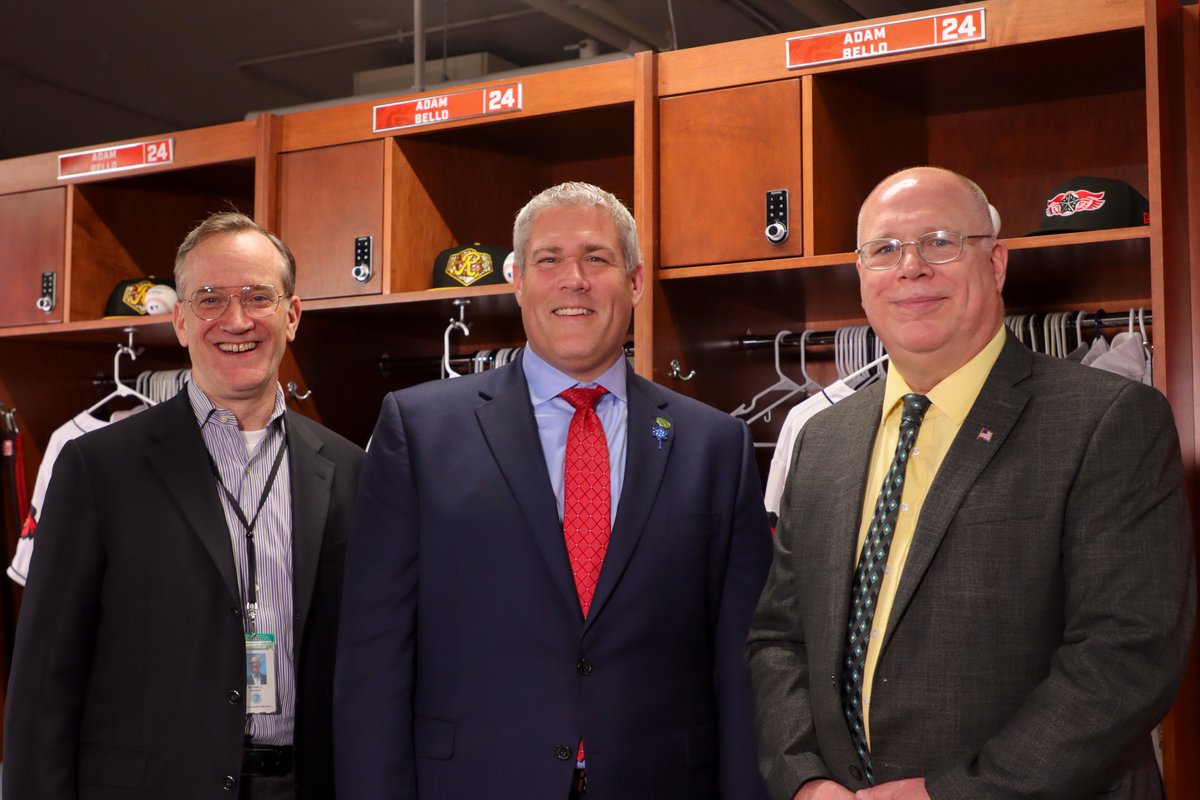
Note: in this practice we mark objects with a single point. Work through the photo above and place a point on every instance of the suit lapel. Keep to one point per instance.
(645, 465)
(180, 461)
(997, 409)
(851, 441)
(506, 420)
(311, 485)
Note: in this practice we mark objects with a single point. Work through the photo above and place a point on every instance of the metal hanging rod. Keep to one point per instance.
(753, 342)
(1104, 319)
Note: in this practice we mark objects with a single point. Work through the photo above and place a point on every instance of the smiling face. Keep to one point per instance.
(575, 294)
(235, 358)
(932, 319)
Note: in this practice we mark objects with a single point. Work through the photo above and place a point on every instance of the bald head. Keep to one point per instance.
(986, 218)
(932, 318)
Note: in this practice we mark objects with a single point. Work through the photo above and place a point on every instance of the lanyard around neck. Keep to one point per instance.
(248, 526)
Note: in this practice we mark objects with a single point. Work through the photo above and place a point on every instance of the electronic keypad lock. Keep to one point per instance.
(777, 216)
(49, 297)
(362, 259)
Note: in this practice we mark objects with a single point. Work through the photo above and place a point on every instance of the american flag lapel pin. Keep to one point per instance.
(985, 434)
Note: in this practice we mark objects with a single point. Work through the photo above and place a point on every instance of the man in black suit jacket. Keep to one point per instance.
(1037, 582)
(129, 679)
(469, 663)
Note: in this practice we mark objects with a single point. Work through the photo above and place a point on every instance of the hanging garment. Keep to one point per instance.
(796, 419)
(1099, 347)
(1126, 356)
(80, 424)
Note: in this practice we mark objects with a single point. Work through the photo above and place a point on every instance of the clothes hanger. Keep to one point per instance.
(785, 384)
(121, 390)
(455, 324)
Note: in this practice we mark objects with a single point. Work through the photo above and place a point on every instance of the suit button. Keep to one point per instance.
(563, 752)
(856, 773)
(584, 667)
(237, 612)
(228, 783)
(235, 697)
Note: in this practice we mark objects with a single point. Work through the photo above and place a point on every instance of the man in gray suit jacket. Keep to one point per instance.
(1011, 617)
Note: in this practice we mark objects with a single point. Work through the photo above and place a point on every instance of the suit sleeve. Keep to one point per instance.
(745, 570)
(56, 634)
(373, 686)
(777, 655)
(1129, 597)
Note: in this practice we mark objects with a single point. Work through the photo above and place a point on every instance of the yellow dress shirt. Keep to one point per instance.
(950, 401)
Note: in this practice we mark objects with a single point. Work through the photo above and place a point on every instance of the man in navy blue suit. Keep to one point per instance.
(475, 656)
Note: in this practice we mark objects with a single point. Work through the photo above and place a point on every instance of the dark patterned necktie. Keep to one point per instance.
(867, 577)
(586, 492)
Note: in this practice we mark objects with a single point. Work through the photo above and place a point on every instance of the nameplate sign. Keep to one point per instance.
(885, 39)
(116, 159)
(446, 107)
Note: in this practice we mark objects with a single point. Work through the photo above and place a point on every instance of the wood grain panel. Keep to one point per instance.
(32, 236)
(132, 227)
(197, 147)
(328, 197)
(1009, 22)
(553, 92)
(720, 153)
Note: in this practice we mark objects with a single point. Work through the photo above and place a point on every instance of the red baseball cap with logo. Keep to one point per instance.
(1092, 204)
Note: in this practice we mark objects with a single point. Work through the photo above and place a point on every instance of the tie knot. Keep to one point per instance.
(582, 398)
(915, 405)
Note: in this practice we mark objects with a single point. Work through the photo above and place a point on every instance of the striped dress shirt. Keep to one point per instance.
(245, 474)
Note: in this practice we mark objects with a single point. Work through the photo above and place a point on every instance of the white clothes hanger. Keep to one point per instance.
(785, 384)
(121, 390)
(877, 365)
(455, 324)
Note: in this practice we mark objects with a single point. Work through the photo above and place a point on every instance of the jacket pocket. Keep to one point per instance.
(111, 766)
(433, 738)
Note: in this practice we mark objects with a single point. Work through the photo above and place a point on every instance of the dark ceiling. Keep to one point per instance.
(78, 74)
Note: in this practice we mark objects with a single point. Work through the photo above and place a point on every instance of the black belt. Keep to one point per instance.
(266, 761)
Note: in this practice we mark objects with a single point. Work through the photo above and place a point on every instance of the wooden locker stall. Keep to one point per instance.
(1043, 97)
(418, 190)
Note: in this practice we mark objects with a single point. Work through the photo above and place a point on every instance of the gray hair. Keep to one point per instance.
(986, 211)
(578, 195)
(233, 222)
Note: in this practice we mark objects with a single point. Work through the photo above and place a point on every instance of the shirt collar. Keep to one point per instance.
(955, 395)
(546, 382)
(205, 410)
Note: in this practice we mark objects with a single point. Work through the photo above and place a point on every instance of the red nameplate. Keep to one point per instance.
(870, 41)
(446, 107)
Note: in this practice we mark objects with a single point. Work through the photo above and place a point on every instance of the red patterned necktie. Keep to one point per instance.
(586, 492)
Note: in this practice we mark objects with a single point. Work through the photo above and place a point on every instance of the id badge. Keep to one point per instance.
(262, 691)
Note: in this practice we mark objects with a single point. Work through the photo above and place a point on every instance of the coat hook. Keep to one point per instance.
(677, 371)
(293, 390)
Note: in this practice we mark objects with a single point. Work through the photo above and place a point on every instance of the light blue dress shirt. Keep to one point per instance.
(553, 415)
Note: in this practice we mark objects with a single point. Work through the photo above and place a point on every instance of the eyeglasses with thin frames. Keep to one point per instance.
(210, 302)
(935, 247)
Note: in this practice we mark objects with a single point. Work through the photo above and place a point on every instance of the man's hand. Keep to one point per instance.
(907, 789)
(822, 789)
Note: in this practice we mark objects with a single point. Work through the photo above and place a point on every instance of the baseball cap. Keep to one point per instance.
(469, 265)
(139, 297)
(1092, 204)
